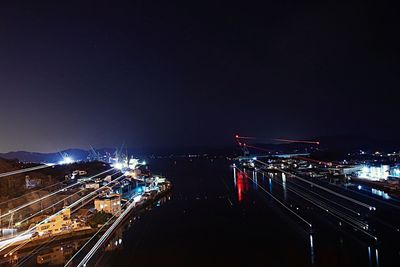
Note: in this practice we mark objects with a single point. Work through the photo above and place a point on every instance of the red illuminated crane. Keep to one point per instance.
(242, 145)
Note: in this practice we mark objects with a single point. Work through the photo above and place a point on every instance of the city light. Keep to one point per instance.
(66, 160)
(199, 133)
(118, 165)
(374, 173)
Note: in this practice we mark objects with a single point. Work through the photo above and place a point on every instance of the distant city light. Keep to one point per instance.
(375, 172)
(133, 163)
(66, 160)
(118, 165)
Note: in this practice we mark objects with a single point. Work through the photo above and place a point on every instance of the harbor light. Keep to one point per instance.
(66, 160)
(118, 165)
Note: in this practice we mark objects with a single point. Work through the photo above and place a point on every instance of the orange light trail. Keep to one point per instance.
(297, 141)
(245, 137)
(237, 137)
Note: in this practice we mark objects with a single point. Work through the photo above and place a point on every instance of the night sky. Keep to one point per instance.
(163, 74)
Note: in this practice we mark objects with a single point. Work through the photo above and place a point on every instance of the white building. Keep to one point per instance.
(57, 224)
(92, 185)
(109, 204)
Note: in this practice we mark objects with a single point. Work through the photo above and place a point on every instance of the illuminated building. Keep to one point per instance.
(109, 204)
(57, 224)
(374, 172)
(92, 185)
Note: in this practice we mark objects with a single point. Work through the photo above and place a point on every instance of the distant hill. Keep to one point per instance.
(8, 165)
(333, 144)
(15, 185)
(26, 156)
(80, 154)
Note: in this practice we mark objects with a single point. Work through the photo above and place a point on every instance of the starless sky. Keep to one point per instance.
(166, 73)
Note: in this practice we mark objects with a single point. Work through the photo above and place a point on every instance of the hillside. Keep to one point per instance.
(26, 156)
(15, 185)
(9, 165)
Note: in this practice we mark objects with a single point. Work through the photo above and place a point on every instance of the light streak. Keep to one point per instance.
(320, 162)
(237, 137)
(296, 141)
(98, 231)
(32, 253)
(25, 170)
(333, 202)
(280, 202)
(49, 207)
(104, 237)
(32, 192)
(15, 239)
(95, 234)
(49, 195)
(334, 212)
(323, 188)
(31, 229)
(245, 137)
(357, 224)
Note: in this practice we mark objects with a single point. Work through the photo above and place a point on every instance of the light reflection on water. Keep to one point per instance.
(270, 184)
(374, 191)
(312, 250)
(284, 186)
(255, 180)
(369, 257)
(380, 193)
(241, 183)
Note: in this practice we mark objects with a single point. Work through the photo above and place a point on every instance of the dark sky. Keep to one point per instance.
(165, 73)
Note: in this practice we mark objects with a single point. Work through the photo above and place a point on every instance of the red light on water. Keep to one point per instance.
(242, 185)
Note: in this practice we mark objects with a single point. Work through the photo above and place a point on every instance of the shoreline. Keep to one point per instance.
(80, 233)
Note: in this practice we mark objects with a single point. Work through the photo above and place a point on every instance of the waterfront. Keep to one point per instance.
(210, 219)
(205, 224)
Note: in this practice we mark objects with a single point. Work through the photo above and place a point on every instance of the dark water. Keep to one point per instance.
(207, 222)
